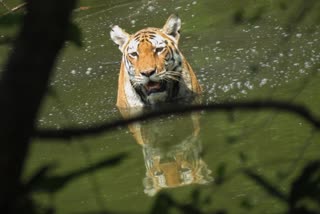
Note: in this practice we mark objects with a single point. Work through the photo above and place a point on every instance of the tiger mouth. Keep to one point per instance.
(154, 87)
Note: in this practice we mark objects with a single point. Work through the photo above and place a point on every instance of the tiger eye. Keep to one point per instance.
(133, 54)
(160, 49)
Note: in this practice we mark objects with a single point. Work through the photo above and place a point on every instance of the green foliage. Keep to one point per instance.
(165, 203)
(6, 40)
(304, 194)
(268, 187)
(41, 181)
(221, 174)
(11, 19)
(294, 13)
(75, 35)
(14, 19)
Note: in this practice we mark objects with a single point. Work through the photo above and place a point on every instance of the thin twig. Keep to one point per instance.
(5, 6)
(296, 109)
(18, 7)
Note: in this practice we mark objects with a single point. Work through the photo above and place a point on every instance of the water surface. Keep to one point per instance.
(234, 60)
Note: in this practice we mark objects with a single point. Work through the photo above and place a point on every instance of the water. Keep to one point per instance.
(233, 62)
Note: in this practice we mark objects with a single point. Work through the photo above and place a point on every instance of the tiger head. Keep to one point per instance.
(152, 60)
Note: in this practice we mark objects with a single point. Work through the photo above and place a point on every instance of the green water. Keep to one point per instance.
(233, 62)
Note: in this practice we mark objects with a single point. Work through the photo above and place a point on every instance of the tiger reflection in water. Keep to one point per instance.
(153, 71)
(172, 158)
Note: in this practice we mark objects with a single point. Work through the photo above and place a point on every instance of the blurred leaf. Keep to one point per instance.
(6, 40)
(162, 204)
(75, 35)
(306, 189)
(42, 182)
(95, 212)
(231, 116)
(52, 92)
(281, 175)
(299, 12)
(40, 175)
(243, 157)
(238, 17)
(283, 5)
(189, 209)
(220, 212)
(220, 174)
(207, 200)
(247, 204)
(254, 68)
(270, 189)
(231, 139)
(195, 196)
(11, 19)
(257, 14)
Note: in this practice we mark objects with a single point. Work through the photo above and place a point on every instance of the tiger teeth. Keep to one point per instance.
(153, 85)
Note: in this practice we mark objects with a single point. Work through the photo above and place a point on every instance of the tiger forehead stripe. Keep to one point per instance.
(144, 34)
(137, 39)
(149, 32)
(137, 35)
(153, 39)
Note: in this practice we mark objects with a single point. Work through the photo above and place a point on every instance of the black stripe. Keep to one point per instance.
(175, 67)
(150, 32)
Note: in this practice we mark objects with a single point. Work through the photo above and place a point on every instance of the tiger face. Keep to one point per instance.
(152, 65)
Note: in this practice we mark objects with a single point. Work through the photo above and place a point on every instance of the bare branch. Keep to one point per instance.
(23, 84)
(296, 109)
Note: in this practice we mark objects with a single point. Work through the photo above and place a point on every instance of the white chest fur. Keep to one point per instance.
(133, 98)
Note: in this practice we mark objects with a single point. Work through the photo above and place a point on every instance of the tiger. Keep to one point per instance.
(153, 70)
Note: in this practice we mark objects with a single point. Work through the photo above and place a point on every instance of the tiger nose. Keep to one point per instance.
(148, 73)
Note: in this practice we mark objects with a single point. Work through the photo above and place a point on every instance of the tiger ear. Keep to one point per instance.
(119, 36)
(172, 27)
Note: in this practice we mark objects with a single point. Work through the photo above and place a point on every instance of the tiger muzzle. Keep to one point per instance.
(154, 87)
(148, 73)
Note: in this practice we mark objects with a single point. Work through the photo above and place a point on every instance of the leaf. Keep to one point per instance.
(11, 19)
(220, 212)
(6, 40)
(162, 204)
(247, 204)
(231, 139)
(243, 157)
(238, 16)
(254, 68)
(41, 182)
(40, 174)
(195, 196)
(306, 186)
(220, 174)
(270, 189)
(75, 35)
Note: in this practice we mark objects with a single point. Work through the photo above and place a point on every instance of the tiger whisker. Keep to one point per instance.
(170, 77)
(137, 82)
(172, 73)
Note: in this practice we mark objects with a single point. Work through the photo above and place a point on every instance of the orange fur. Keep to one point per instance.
(145, 60)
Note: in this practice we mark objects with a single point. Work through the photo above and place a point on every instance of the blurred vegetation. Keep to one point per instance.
(303, 195)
